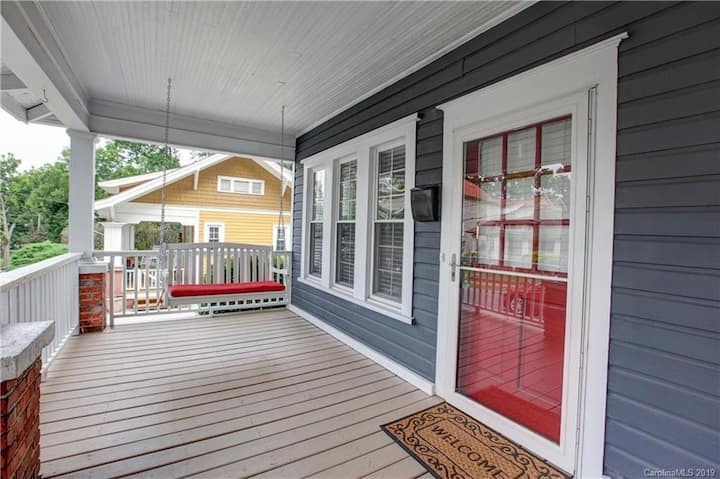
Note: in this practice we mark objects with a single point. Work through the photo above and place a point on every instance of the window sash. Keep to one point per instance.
(389, 216)
(214, 233)
(316, 249)
(317, 208)
(345, 227)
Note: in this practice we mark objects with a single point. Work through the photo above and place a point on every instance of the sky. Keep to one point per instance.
(36, 145)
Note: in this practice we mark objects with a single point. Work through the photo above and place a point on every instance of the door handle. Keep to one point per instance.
(453, 267)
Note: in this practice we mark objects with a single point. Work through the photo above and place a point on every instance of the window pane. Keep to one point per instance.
(213, 234)
(518, 246)
(491, 157)
(225, 185)
(556, 139)
(388, 259)
(345, 268)
(398, 157)
(397, 207)
(520, 202)
(257, 188)
(385, 161)
(553, 248)
(346, 197)
(318, 195)
(240, 186)
(555, 196)
(316, 239)
(391, 184)
(480, 245)
(521, 151)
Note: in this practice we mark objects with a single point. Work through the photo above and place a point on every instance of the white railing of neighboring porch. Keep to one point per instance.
(44, 291)
(135, 280)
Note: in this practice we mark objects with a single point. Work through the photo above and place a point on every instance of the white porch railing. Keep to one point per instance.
(48, 290)
(135, 282)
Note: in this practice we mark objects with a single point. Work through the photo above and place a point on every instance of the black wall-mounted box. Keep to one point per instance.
(425, 203)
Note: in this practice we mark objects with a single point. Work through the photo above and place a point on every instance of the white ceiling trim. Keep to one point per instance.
(116, 120)
(514, 10)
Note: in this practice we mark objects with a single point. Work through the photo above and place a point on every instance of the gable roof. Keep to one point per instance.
(113, 186)
(154, 181)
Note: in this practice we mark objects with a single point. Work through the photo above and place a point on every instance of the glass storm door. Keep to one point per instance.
(513, 279)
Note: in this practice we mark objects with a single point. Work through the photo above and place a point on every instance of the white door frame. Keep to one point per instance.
(582, 81)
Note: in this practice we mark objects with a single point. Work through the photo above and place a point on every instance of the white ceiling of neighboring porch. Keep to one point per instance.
(227, 58)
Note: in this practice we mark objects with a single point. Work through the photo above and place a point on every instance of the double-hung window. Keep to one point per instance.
(357, 240)
(317, 212)
(214, 232)
(389, 224)
(345, 224)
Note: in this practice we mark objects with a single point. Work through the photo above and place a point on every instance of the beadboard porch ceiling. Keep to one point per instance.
(236, 63)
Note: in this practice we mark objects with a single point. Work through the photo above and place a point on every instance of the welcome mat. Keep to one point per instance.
(452, 445)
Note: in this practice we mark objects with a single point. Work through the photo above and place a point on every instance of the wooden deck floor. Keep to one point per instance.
(254, 395)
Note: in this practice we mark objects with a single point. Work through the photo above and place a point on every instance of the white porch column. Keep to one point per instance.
(114, 236)
(82, 192)
(129, 236)
(118, 237)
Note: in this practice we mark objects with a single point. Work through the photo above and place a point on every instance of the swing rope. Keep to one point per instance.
(162, 250)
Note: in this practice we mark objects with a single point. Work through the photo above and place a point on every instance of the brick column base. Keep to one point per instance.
(92, 302)
(20, 425)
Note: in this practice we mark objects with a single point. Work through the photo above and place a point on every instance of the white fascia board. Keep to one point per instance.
(31, 52)
(10, 82)
(13, 107)
(131, 180)
(117, 120)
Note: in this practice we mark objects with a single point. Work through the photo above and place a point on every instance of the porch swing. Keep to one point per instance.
(267, 282)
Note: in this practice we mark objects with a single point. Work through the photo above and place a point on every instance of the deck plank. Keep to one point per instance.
(405, 468)
(228, 396)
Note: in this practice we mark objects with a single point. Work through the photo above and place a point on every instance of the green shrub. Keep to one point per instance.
(34, 252)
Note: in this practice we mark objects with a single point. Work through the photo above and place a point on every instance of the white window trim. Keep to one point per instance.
(361, 148)
(574, 74)
(233, 179)
(221, 231)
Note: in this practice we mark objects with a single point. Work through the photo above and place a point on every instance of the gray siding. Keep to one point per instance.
(664, 381)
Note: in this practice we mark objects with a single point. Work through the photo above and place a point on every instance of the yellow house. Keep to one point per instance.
(221, 198)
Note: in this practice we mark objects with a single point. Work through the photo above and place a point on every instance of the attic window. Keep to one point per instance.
(241, 186)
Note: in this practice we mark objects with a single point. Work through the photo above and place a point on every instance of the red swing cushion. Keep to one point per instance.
(190, 290)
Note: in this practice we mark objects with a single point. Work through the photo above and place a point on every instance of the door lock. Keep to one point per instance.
(453, 267)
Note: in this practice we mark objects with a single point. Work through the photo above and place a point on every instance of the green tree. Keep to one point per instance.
(34, 203)
(8, 174)
(120, 158)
